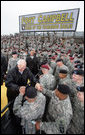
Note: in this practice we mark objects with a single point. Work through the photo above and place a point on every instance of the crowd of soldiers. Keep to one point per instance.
(49, 73)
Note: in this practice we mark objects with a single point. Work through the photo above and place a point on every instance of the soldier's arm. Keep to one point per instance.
(58, 127)
(18, 105)
(47, 92)
(50, 127)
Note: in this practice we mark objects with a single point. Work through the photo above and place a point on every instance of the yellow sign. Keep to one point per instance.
(52, 21)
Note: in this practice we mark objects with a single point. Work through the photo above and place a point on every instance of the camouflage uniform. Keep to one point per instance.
(56, 74)
(29, 111)
(48, 81)
(77, 123)
(12, 63)
(59, 114)
(70, 67)
(67, 81)
(65, 60)
(53, 65)
(50, 71)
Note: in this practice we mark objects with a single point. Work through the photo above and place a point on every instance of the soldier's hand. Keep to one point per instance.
(37, 125)
(22, 90)
(38, 87)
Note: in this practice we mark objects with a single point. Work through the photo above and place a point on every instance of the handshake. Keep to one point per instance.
(37, 86)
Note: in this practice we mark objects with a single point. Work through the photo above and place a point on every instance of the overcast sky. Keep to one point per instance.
(11, 10)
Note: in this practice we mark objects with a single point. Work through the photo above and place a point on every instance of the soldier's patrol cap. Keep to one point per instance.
(30, 92)
(80, 89)
(63, 71)
(58, 60)
(64, 89)
(78, 72)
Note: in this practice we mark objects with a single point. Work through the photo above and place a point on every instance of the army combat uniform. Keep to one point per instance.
(67, 81)
(77, 123)
(59, 114)
(12, 63)
(48, 81)
(29, 111)
(56, 74)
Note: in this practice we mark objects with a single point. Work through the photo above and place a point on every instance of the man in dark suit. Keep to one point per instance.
(32, 62)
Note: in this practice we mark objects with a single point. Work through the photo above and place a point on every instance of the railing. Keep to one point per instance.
(6, 106)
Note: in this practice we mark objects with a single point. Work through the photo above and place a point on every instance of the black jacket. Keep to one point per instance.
(33, 64)
(3, 67)
(15, 80)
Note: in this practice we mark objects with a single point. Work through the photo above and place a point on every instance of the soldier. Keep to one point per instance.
(64, 78)
(80, 93)
(32, 109)
(70, 65)
(81, 49)
(77, 80)
(12, 61)
(59, 111)
(78, 113)
(77, 123)
(79, 66)
(78, 77)
(45, 62)
(32, 62)
(53, 63)
(47, 80)
(59, 66)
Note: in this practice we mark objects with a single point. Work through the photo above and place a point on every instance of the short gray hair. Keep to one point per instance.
(21, 62)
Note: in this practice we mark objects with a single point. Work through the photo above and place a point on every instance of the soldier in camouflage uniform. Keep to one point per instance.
(80, 94)
(59, 66)
(32, 109)
(64, 78)
(13, 61)
(77, 80)
(59, 111)
(77, 123)
(70, 65)
(47, 80)
(53, 64)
